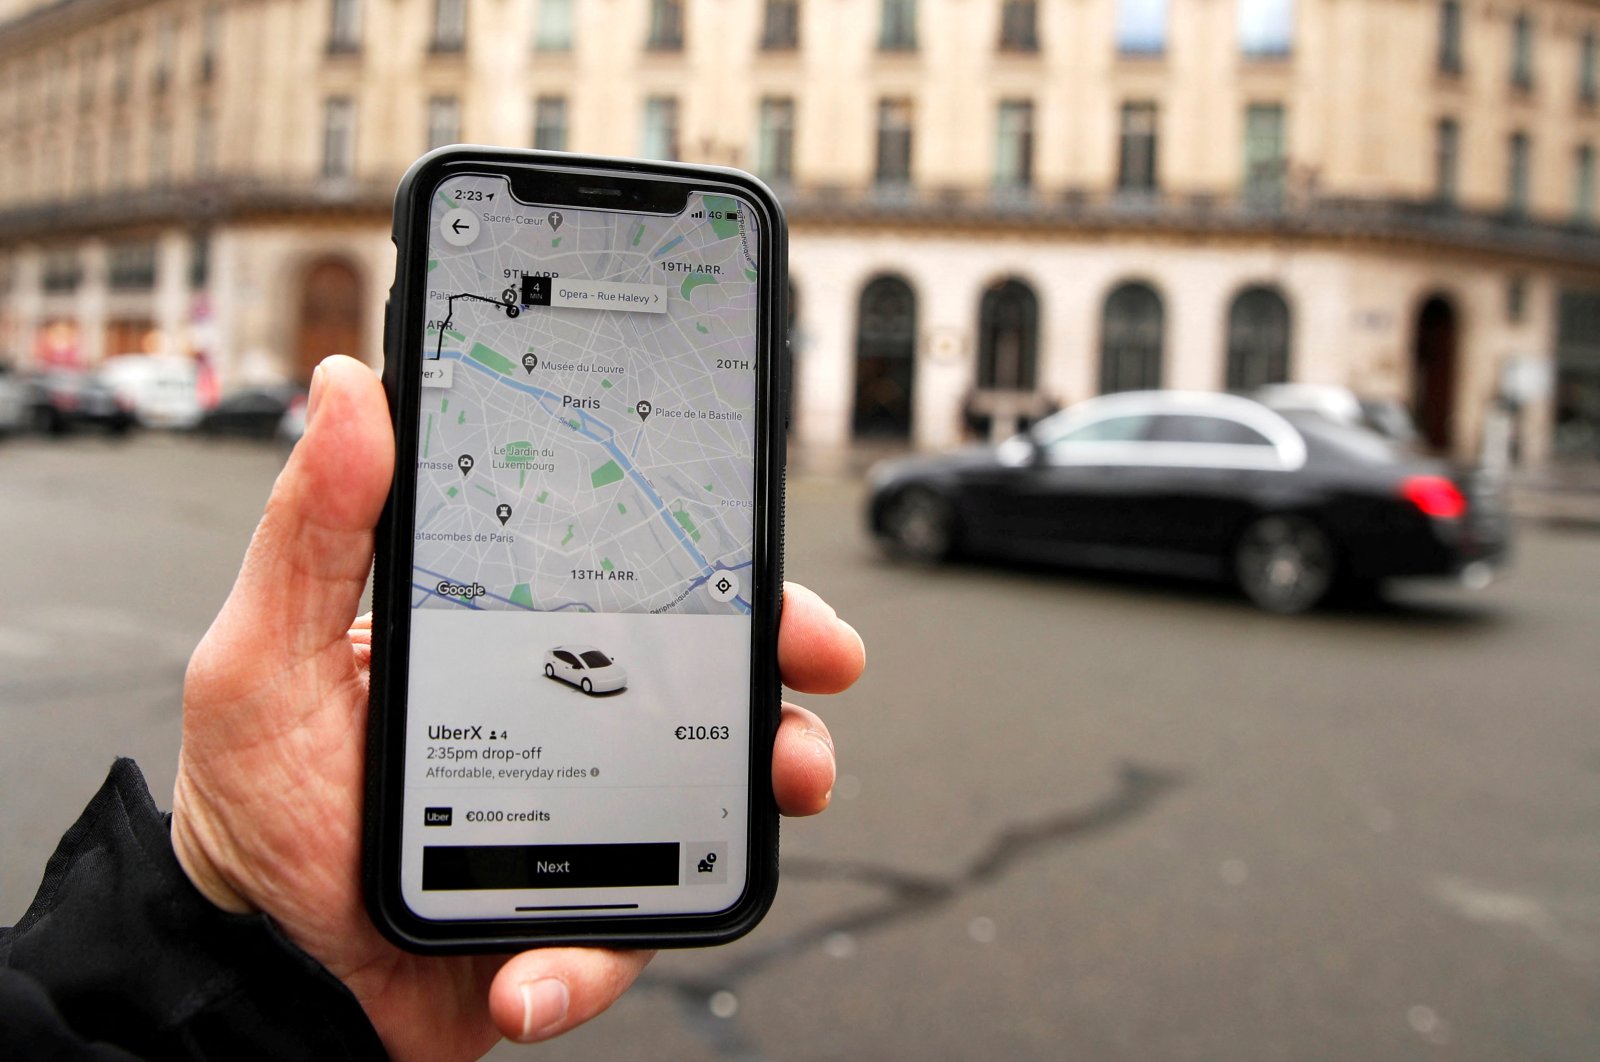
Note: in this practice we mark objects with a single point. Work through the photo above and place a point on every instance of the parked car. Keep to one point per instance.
(1291, 506)
(62, 401)
(14, 403)
(292, 426)
(1382, 415)
(255, 413)
(585, 667)
(162, 390)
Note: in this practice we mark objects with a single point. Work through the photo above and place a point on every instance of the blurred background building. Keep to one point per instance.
(998, 206)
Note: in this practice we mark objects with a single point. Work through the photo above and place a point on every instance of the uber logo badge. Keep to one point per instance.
(436, 816)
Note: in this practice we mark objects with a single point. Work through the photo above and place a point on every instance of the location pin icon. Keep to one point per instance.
(465, 463)
(554, 218)
(643, 408)
(530, 362)
(503, 511)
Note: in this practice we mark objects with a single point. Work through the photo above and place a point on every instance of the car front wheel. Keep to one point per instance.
(586, 686)
(1284, 563)
(920, 526)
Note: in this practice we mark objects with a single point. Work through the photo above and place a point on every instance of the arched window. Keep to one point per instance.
(886, 349)
(1258, 339)
(1008, 337)
(1130, 339)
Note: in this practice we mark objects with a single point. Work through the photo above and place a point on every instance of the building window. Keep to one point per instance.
(1130, 339)
(886, 359)
(88, 74)
(780, 27)
(127, 56)
(1522, 52)
(1588, 68)
(83, 164)
(775, 140)
(199, 261)
(160, 151)
(1141, 27)
(1447, 161)
(1517, 174)
(444, 121)
(1258, 340)
(897, 26)
(550, 123)
(205, 142)
(1136, 161)
(131, 267)
(1013, 164)
(1266, 28)
(894, 142)
(1450, 37)
(338, 137)
(666, 26)
(344, 26)
(449, 26)
(62, 272)
(1583, 185)
(166, 53)
(555, 33)
(1019, 26)
(1008, 337)
(1266, 154)
(660, 128)
(119, 159)
(210, 42)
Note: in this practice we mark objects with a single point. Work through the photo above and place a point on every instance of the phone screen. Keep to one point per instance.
(579, 708)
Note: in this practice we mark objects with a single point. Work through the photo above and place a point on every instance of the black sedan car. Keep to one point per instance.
(1290, 505)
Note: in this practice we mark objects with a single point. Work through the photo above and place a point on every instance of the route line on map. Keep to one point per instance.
(510, 308)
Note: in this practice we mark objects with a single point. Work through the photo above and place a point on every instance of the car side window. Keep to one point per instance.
(567, 658)
(1198, 428)
(1110, 429)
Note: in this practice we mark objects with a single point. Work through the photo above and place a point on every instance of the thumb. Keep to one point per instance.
(308, 562)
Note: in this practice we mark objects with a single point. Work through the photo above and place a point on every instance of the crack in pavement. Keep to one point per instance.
(906, 895)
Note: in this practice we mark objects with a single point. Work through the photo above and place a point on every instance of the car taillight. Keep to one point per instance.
(1436, 496)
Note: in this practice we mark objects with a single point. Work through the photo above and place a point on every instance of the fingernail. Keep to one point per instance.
(315, 395)
(544, 1003)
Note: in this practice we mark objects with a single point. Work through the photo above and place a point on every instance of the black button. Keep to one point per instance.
(548, 866)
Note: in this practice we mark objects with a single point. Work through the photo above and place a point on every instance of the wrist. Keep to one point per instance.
(189, 844)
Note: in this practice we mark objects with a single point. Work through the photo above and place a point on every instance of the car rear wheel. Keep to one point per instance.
(920, 526)
(1284, 563)
(549, 671)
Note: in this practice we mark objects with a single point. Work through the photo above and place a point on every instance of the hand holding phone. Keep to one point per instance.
(575, 686)
(267, 803)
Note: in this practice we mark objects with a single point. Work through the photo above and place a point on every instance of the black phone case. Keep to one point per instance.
(402, 348)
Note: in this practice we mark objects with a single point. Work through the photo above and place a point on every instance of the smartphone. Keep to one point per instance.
(575, 687)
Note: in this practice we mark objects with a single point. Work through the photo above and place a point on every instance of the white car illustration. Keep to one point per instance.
(585, 667)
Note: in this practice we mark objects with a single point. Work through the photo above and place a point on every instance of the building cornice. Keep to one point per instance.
(1402, 225)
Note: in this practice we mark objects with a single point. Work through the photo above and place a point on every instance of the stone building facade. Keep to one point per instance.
(997, 206)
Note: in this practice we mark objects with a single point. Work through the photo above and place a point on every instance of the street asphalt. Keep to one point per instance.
(1078, 817)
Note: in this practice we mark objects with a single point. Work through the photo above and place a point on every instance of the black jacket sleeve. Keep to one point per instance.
(119, 957)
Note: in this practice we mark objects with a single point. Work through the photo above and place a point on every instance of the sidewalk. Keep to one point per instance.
(1561, 495)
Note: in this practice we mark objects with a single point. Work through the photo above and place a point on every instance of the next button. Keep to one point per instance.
(548, 866)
